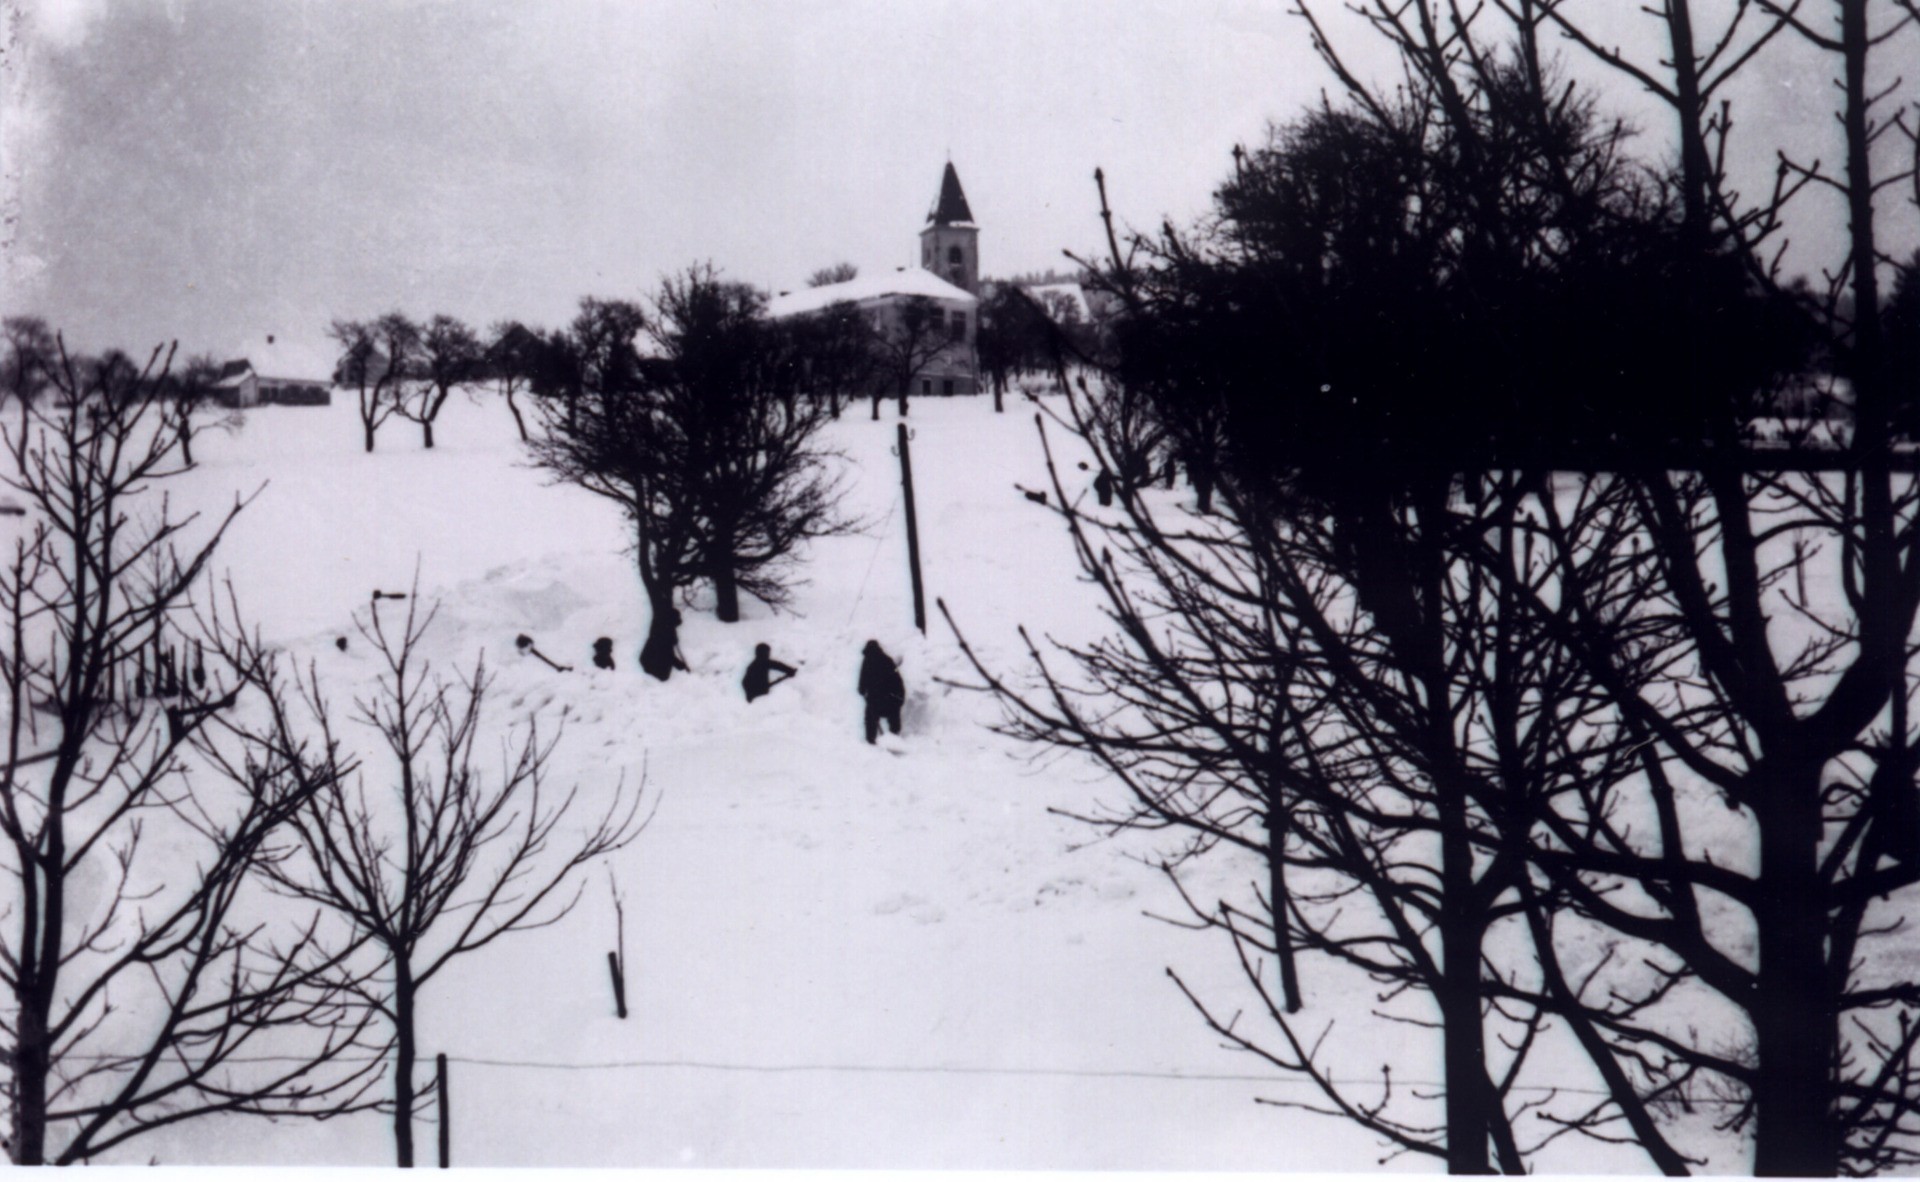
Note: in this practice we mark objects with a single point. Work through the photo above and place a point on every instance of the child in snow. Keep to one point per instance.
(881, 686)
(757, 682)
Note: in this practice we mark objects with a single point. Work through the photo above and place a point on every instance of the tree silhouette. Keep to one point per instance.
(445, 861)
(140, 993)
(1549, 686)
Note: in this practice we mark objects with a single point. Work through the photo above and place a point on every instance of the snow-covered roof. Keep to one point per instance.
(274, 355)
(902, 281)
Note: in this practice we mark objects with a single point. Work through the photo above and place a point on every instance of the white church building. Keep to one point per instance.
(948, 275)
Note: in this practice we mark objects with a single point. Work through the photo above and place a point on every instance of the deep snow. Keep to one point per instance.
(839, 955)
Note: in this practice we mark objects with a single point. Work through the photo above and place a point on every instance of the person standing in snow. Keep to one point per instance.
(881, 686)
(758, 680)
(660, 655)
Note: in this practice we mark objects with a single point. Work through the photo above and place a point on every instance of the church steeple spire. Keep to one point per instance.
(951, 207)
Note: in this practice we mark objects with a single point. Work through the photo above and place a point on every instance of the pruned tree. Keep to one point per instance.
(437, 860)
(143, 987)
(1014, 335)
(189, 393)
(30, 354)
(513, 357)
(911, 333)
(375, 359)
(1511, 619)
(706, 446)
(1131, 431)
(744, 448)
(602, 428)
(833, 354)
(449, 354)
(1317, 701)
(1788, 585)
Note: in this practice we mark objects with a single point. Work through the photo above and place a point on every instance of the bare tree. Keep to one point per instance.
(1437, 667)
(512, 357)
(31, 352)
(911, 334)
(141, 987)
(602, 428)
(707, 446)
(834, 354)
(449, 355)
(376, 356)
(838, 273)
(437, 862)
(742, 444)
(1789, 585)
(1014, 334)
(189, 393)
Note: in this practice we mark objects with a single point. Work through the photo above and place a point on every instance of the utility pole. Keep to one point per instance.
(913, 534)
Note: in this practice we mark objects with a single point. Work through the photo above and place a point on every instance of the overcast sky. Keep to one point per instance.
(210, 170)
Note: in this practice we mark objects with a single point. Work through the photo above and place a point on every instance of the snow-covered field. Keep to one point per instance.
(840, 955)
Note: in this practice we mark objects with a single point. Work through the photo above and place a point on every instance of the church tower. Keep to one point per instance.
(950, 243)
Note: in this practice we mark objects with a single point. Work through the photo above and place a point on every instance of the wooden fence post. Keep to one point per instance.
(619, 984)
(440, 1098)
(913, 535)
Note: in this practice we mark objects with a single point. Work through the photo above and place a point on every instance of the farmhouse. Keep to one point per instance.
(948, 278)
(275, 371)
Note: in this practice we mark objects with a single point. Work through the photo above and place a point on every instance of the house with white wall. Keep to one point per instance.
(948, 275)
(274, 370)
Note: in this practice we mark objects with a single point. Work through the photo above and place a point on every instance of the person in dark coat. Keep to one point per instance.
(603, 653)
(881, 686)
(1103, 487)
(758, 680)
(660, 656)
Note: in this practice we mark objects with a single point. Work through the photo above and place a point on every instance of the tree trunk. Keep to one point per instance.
(1277, 890)
(403, 1059)
(1469, 1096)
(186, 440)
(426, 432)
(32, 1061)
(30, 1065)
(999, 391)
(726, 594)
(43, 914)
(876, 407)
(519, 422)
(1793, 1015)
(368, 428)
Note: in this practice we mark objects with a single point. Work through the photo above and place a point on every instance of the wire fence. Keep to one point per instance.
(1267, 1079)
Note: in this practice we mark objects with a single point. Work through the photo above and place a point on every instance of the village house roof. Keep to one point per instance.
(951, 208)
(274, 356)
(902, 281)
